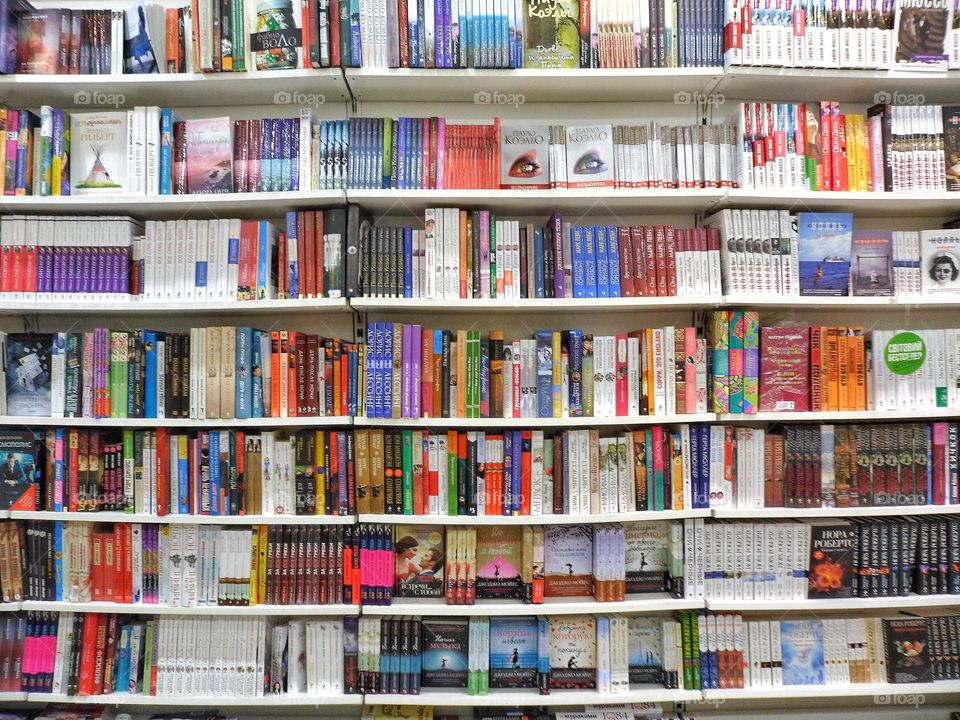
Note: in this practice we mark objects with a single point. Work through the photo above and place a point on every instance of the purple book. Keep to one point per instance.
(556, 230)
(508, 472)
(406, 383)
(416, 341)
(485, 279)
(43, 269)
(294, 153)
(342, 474)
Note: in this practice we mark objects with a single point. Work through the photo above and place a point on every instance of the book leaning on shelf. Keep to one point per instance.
(142, 564)
(206, 373)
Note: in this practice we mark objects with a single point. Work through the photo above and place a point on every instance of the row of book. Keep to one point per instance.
(183, 566)
(812, 146)
(213, 373)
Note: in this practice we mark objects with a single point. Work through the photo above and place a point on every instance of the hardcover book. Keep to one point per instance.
(589, 155)
(27, 370)
(824, 244)
(444, 648)
(871, 263)
(951, 146)
(784, 369)
(98, 146)
(939, 261)
(573, 652)
(645, 645)
(833, 544)
(513, 652)
(568, 561)
(551, 34)
(801, 646)
(499, 560)
(921, 29)
(908, 655)
(524, 157)
(19, 451)
(646, 556)
(209, 152)
(419, 554)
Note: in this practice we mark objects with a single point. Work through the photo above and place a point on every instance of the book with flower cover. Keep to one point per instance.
(209, 155)
(833, 544)
(573, 652)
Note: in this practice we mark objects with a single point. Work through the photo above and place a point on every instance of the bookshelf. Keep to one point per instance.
(334, 610)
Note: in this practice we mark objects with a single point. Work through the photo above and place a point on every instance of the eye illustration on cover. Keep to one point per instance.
(590, 163)
(526, 166)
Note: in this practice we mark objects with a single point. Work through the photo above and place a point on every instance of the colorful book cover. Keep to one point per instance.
(524, 157)
(645, 646)
(589, 154)
(801, 647)
(951, 146)
(513, 652)
(824, 244)
(276, 38)
(646, 556)
(833, 544)
(551, 34)
(939, 261)
(921, 34)
(28, 374)
(18, 469)
(98, 164)
(871, 263)
(419, 557)
(209, 153)
(444, 650)
(573, 652)
(908, 655)
(499, 560)
(568, 561)
(38, 48)
(784, 369)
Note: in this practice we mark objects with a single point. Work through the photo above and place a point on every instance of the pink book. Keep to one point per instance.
(426, 361)
(622, 391)
(416, 341)
(13, 135)
(690, 368)
(784, 369)
(515, 379)
(875, 130)
(485, 254)
(425, 176)
(441, 152)
(406, 383)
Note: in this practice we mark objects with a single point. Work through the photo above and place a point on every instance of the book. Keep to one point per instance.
(524, 157)
(646, 650)
(824, 243)
(573, 652)
(801, 647)
(832, 547)
(907, 650)
(871, 263)
(420, 563)
(784, 369)
(513, 652)
(99, 153)
(499, 561)
(444, 647)
(551, 34)
(951, 146)
(589, 153)
(568, 561)
(647, 556)
(940, 261)
(921, 29)
(28, 374)
(209, 155)
(19, 455)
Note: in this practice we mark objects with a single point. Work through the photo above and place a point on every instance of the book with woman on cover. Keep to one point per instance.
(418, 550)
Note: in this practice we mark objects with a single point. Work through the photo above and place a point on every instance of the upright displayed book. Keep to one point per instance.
(589, 153)
(871, 263)
(28, 367)
(573, 652)
(921, 34)
(832, 547)
(939, 261)
(445, 646)
(951, 142)
(801, 646)
(513, 652)
(419, 552)
(499, 559)
(19, 454)
(524, 156)
(825, 240)
(99, 152)
(908, 652)
(568, 569)
(551, 34)
(209, 155)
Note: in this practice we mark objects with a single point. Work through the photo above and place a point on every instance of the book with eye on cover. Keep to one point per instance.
(524, 157)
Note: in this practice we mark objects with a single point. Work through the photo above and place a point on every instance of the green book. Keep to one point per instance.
(148, 638)
(407, 464)
(129, 460)
(493, 255)
(118, 374)
(453, 485)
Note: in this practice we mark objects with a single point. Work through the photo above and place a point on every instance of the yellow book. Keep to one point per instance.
(320, 472)
(850, 136)
(254, 565)
(461, 373)
(262, 541)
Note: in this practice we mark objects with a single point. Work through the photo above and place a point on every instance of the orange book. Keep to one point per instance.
(526, 471)
(426, 372)
(464, 287)
(859, 371)
(843, 371)
(109, 568)
(461, 373)
(831, 388)
(377, 472)
(172, 23)
(275, 373)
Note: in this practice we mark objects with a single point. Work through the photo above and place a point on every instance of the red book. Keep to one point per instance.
(303, 222)
(826, 125)
(784, 369)
(939, 443)
(838, 158)
(308, 23)
(127, 562)
(526, 471)
(333, 22)
(626, 262)
(161, 471)
(88, 652)
(660, 242)
(319, 282)
(73, 476)
(622, 389)
(100, 656)
(247, 270)
(404, 38)
(109, 567)
(426, 372)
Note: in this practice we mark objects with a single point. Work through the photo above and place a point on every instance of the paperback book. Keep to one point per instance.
(524, 157)
(940, 261)
(645, 644)
(951, 143)
(19, 452)
(647, 546)
(824, 244)
(922, 28)
(513, 652)
(908, 655)
(28, 374)
(573, 652)
(871, 263)
(832, 548)
(551, 34)
(209, 152)
(568, 553)
(445, 647)
(99, 153)
(499, 559)
(419, 553)
(801, 645)
(589, 155)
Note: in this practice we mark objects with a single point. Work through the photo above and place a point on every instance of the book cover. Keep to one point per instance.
(871, 263)
(524, 157)
(589, 154)
(645, 646)
(833, 544)
(551, 34)
(921, 34)
(209, 152)
(568, 561)
(573, 652)
(784, 369)
(419, 556)
(499, 559)
(646, 556)
(28, 374)
(513, 652)
(801, 647)
(908, 655)
(276, 37)
(951, 146)
(18, 469)
(824, 244)
(939, 261)
(38, 49)
(444, 653)
(98, 162)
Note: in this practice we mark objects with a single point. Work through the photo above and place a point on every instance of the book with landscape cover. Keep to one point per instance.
(98, 147)
(568, 561)
(871, 263)
(646, 556)
(801, 646)
(28, 359)
(908, 653)
(833, 544)
(824, 244)
(444, 646)
(209, 153)
(499, 560)
(513, 652)
(524, 156)
(551, 34)
(645, 646)
(573, 652)
(419, 554)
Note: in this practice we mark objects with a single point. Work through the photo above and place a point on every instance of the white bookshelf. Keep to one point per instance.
(634, 604)
(217, 610)
(553, 306)
(857, 604)
(252, 423)
(534, 519)
(866, 690)
(514, 698)
(852, 416)
(185, 519)
(533, 422)
(136, 307)
(224, 701)
(868, 511)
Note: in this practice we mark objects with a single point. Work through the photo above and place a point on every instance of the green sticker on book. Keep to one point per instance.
(905, 353)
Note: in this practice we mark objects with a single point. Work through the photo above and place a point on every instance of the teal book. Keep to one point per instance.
(513, 652)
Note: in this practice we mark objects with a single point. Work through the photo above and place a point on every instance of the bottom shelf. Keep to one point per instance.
(531, 698)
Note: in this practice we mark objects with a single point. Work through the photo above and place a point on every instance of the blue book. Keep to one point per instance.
(603, 265)
(284, 152)
(544, 373)
(386, 366)
(244, 384)
(293, 290)
(613, 261)
(578, 261)
(514, 652)
(122, 676)
(150, 374)
(508, 472)
(517, 496)
(167, 119)
(824, 241)
(267, 238)
(256, 375)
(58, 557)
(408, 262)
(371, 388)
(801, 647)
(295, 153)
(265, 155)
(214, 473)
(356, 59)
(695, 482)
(589, 262)
(538, 280)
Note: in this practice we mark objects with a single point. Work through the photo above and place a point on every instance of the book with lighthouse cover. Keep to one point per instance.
(98, 162)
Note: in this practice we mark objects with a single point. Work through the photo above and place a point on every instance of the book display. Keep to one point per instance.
(547, 359)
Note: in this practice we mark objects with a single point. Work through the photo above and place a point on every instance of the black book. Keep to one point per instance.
(908, 653)
(444, 653)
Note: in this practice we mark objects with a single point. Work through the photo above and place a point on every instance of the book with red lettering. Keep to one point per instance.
(784, 369)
